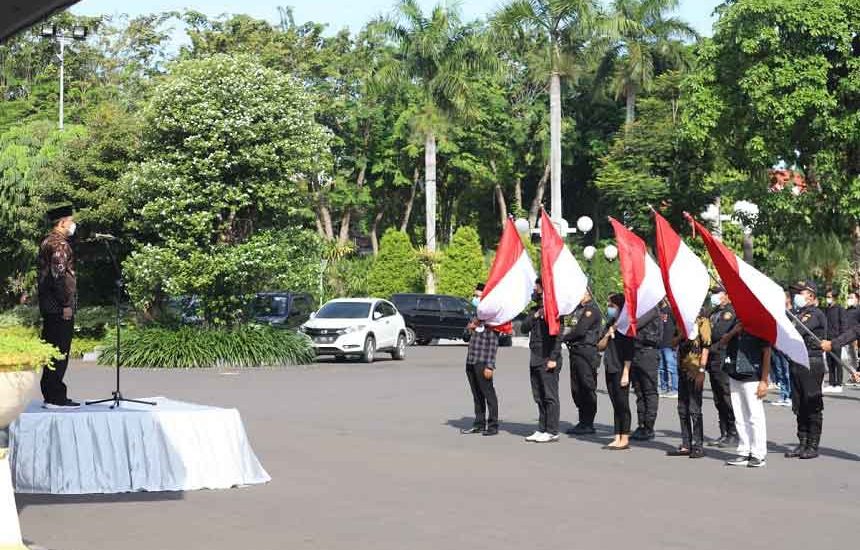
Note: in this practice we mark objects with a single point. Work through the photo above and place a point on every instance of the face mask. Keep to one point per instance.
(475, 301)
(799, 301)
(612, 312)
(71, 229)
(716, 299)
(852, 302)
(830, 301)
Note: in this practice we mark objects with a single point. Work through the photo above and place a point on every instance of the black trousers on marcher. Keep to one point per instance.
(58, 332)
(484, 396)
(583, 382)
(806, 398)
(722, 399)
(834, 368)
(643, 375)
(620, 397)
(545, 392)
(690, 412)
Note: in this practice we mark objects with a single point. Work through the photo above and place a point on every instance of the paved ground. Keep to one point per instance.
(369, 457)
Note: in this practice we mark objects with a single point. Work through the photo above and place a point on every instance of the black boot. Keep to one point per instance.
(803, 440)
(811, 450)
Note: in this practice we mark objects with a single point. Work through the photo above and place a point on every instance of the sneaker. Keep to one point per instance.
(756, 463)
(534, 437)
(739, 461)
(67, 404)
(787, 403)
(552, 438)
(827, 389)
(672, 395)
(836, 389)
(544, 438)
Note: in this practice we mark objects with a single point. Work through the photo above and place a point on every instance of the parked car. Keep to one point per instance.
(282, 309)
(357, 327)
(432, 316)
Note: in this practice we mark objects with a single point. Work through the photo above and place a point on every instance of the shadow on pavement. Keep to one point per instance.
(25, 500)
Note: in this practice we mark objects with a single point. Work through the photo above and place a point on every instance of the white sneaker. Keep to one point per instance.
(836, 389)
(544, 438)
(553, 438)
(534, 437)
(827, 389)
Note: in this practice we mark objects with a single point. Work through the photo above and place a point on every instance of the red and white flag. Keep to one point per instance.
(759, 302)
(511, 282)
(643, 284)
(563, 281)
(684, 275)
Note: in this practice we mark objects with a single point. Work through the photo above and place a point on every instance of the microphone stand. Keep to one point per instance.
(117, 397)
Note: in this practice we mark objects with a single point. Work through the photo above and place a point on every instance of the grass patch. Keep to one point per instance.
(195, 347)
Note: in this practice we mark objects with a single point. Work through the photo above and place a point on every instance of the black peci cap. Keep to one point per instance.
(60, 212)
(480, 286)
(800, 286)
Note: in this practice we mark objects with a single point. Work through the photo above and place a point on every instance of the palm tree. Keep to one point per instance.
(567, 26)
(646, 40)
(440, 56)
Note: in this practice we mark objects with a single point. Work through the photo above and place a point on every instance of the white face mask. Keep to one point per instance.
(799, 301)
(716, 299)
(852, 302)
(70, 230)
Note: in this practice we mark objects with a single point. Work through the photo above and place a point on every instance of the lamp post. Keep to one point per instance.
(79, 33)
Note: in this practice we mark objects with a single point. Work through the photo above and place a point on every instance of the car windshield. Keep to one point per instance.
(270, 306)
(344, 310)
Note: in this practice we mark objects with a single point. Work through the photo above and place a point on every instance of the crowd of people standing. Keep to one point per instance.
(740, 367)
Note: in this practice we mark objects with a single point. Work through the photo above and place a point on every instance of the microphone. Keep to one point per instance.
(103, 237)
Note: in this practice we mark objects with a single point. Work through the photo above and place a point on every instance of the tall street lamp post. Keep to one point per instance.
(79, 33)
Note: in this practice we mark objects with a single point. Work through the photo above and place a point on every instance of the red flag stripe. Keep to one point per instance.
(508, 252)
(631, 259)
(551, 246)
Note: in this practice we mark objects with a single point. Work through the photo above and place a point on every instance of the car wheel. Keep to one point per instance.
(410, 337)
(399, 352)
(423, 341)
(369, 350)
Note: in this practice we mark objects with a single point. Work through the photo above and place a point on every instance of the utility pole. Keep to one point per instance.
(79, 33)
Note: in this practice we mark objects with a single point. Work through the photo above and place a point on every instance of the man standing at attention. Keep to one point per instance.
(582, 340)
(480, 367)
(57, 285)
(723, 320)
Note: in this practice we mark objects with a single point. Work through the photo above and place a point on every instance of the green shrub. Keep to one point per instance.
(397, 268)
(197, 347)
(92, 322)
(22, 316)
(21, 350)
(80, 346)
(348, 278)
(462, 265)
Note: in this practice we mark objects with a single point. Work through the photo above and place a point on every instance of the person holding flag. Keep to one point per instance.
(507, 292)
(617, 359)
(581, 340)
(723, 320)
(807, 400)
(545, 360)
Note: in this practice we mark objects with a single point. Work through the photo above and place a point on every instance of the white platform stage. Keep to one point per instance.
(173, 446)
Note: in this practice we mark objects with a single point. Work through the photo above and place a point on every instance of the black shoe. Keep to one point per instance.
(756, 463)
(581, 429)
(809, 453)
(716, 442)
(472, 430)
(491, 431)
(678, 452)
(797, 451)
(640, 434)
(730, 441)
(67, 404)
(697, 452)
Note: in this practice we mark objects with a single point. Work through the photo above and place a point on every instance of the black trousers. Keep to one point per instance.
(834, 368)
(58, 332)
(690, 412)
(620, 397)
(545, 392)
(722, 399)
(806, 398)
(583, 382)
(643, 375)
(484, 396)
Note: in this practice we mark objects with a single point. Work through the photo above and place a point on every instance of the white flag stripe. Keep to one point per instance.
(689, 282)
(569, 281)
(772, 297)
(511, 295)
(650, 292)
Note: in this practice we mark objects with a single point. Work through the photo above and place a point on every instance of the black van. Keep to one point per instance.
(282, 309)
(432, 316)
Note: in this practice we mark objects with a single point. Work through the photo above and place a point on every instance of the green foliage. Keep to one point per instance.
(20, 350)
(605, 276)
(396, 268)
(462, 265)
(195, 347)
(348, 278)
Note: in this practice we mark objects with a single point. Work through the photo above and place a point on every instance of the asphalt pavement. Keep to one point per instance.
(370, 457)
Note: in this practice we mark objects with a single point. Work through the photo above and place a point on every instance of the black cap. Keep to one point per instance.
(800, 286)
(60, 212)
(718, 288)
(480, 286)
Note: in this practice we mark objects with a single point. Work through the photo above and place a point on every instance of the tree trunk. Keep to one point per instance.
(555, 143)
(518, 195)
(503, 206)
(855, 254)
(631, 106)
(346, 219)
(374, 231)
(404, 225)
(324, 221)
(534, 211)
(430, 192)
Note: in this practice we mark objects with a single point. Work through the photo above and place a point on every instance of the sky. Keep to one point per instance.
(337, 13)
